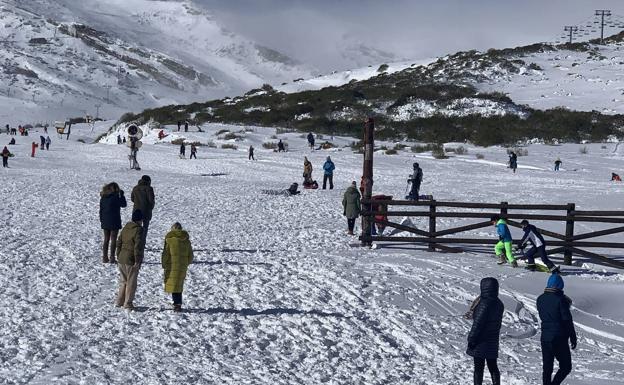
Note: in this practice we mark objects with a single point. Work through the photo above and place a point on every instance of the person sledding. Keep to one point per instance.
(307, 175)
(503, 248)
(615, 177)
(538, 247)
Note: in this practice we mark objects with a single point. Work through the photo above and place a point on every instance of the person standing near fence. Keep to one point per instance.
(486, 313)
(416, 180)
(112, 199)
(352, 206)
(176, 257)
(532, 235)
(557, 329)
(505, 242)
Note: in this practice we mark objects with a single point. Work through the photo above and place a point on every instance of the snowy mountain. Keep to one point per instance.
(64, 57)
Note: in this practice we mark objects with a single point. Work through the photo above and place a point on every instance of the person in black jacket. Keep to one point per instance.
(557, 328)
(487, 315)
(532, 235)
(111, 201)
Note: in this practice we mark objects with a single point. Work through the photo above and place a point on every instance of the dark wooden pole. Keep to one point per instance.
(569, 235)
(367, 180)
(432, 225)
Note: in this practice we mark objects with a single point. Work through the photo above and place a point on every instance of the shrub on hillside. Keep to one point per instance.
(382, 68)
(391, 151)
(178, 141)
(211, 144)
(220, 132)
(269, 145)
(480, 156)
(418, 148)
(438, 152)
(229, 146)
(519, 151)
(461, 150)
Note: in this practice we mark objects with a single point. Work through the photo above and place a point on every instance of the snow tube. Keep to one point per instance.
(312, 185)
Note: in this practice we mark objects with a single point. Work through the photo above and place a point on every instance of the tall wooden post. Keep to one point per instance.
(367, 180)
(567, 253)
(432, 224)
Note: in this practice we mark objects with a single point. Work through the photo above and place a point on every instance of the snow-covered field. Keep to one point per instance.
(278, 294)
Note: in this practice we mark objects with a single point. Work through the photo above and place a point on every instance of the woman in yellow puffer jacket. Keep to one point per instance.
(177, 256)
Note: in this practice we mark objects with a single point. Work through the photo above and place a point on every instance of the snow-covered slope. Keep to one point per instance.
(277, 293)
(125, 55)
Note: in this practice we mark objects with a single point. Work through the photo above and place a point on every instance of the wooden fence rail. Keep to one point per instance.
(569, 243)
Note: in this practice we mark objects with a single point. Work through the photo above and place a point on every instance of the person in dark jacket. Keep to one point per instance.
(311, 140)
(5, 156)
(513, 161)
(42, 139)
(415, 179)
(557, 328)
(251, 153)
(112, 199)
(186, 124)
(182, 150)
(558, 164)
(193, 151)
(280, 146)
(143, 198)
(533, 236)
(293, 189)
(328, 173)
(483, 339)
(179, 125)
(48, 142)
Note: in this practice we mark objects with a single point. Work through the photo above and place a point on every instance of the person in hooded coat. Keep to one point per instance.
(176, 257)
(112, 199)
(328, 173)
(483, 339)
(130, 256)
(307, 171)
(352, 206)
(143, 198)
(557, 328)
(5, 156)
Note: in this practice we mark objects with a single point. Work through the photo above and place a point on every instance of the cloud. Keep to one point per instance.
(320, 31)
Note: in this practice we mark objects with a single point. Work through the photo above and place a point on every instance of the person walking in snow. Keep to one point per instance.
(130, 249)
(513, 161)
(328, 173)
(8, 128)
(486, 313)
(415, 179)
(307, 172)
(351, 206)
(251, 153)
(33, 148)
(311, 140)
(5, 157)
(533, 236)
(48, 141)
(557, 329)
(112, 199)
(182, 151)
(186, 124)
(118, 139)
(505, 241)
(179, 125)
(42, 139)
(193, 151)
(143, 198)
(557, 164)
(280, 146)
(176, 257)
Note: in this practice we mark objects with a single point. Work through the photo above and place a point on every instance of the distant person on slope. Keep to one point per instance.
(5, 157)
(557, 328)
(112, 199)
(176, 257)
(513, 161)
(311, 140)
(186, 124)
(48, 142)
(415, 179)
(251, 153)
(486, 313)
(143, 198)
(179, 125)
(33, 148)
(280, 146)
(328, 173)
(130, 249)
(557, 164)
(352, 206)
(118, 139)
(615, 177)
(505, 241)
(532, 235)
(193, 151)
(42, 139)
(182, 151)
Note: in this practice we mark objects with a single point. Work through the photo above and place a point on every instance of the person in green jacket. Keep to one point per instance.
(176, 257)
(351, 205)
(129, 257)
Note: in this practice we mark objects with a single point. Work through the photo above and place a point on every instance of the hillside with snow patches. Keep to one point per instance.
(62, 58)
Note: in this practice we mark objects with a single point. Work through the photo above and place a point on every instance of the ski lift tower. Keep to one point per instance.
(602, 13)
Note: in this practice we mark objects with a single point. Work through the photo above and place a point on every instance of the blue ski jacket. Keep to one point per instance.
(503, 231)
(329, 167)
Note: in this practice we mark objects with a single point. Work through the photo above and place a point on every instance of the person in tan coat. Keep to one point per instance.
(307, 171)
(129, 257)
(176, 257)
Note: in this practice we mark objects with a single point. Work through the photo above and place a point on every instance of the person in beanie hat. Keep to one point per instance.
(532, 235)
(486, 313)
(176, 257)
(129, 257)
(557, 328)
(351, 205)
(143, 198)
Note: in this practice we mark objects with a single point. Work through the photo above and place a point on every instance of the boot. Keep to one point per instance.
(350, 232)
(104, 259)
(495, 378)
(514, 263)
(177, 308)
(112, 260)
(501, 260)
(530, 266)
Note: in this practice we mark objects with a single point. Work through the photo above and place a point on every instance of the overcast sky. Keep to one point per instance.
(315, 31)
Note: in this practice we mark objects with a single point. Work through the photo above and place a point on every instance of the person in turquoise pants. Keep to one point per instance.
(505, 241)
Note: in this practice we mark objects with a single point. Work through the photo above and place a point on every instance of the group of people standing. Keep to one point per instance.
(557, 326)
(127, 248)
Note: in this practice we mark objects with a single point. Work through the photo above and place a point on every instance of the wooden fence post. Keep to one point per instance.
(569, 234)
(503, 213)
(432, 225)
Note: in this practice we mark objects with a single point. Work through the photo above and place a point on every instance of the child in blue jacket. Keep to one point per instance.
(505, 242)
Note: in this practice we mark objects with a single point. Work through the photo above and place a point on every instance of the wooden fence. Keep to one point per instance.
(568, 243)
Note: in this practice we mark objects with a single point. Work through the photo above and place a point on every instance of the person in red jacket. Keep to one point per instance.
(34, 146)
(5, 157)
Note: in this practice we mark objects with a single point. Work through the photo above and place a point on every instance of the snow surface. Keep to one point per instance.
(277, 293)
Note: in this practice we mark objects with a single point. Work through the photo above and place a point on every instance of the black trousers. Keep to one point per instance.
(177, 298)
(193, 156)
(331, 181)
(5, 161)
(351, 223)
(479, 366)
(551, 350)
(540, 252)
